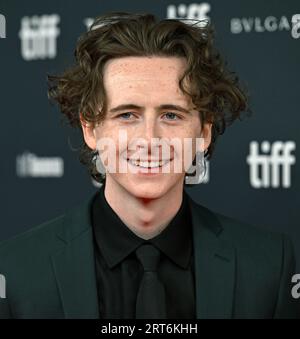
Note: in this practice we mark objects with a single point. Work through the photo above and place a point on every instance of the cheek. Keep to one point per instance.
(106, 143)
(190, 130)
(115, 140)
(190, 139)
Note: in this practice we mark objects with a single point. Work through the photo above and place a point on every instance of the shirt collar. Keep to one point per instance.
(116, 241)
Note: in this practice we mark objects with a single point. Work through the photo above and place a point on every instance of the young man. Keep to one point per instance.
(141, 247)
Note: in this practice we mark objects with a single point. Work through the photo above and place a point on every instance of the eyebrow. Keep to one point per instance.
(161, 107)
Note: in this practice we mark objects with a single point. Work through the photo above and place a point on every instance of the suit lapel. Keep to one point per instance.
(214, 265)
(74, 266)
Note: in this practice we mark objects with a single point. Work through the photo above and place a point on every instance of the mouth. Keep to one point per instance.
(149, 164)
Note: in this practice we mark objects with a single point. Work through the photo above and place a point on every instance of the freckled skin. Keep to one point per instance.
(147, 82)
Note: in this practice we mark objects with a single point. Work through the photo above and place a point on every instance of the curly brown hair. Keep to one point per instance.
(215, 91)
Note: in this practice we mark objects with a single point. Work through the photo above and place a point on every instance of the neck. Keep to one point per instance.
(145, 217)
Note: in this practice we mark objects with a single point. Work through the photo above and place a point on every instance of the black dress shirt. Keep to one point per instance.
(119, 272)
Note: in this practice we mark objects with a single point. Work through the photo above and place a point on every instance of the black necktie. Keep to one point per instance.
(150, 303)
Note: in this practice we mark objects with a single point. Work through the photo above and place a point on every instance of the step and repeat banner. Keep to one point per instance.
(252, 175)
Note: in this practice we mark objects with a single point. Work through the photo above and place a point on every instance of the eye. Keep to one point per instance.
(172, 116)
(125, 116)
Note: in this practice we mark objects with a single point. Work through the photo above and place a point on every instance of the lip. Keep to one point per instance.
(148, 160)
(147, 170)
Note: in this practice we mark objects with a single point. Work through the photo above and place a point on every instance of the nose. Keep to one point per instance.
(148, 132)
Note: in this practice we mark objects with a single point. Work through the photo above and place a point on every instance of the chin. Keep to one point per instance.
(150, 189)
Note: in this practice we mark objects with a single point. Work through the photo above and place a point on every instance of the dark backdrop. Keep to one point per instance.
(260, 40)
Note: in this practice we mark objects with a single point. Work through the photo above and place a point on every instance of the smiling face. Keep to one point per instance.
(147, 88)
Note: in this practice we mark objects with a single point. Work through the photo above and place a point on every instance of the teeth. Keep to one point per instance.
(147, 164)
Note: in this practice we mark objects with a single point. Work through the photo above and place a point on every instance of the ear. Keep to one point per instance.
(88, 133)
(206, 135)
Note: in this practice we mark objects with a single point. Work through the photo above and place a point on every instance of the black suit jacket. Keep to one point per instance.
(240, 271)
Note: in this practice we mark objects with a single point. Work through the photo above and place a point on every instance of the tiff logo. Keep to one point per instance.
(181, 12)
(191, 11)
(38, 36)
(2, 26)
(296, 26)
(265, 168)
(2, 287)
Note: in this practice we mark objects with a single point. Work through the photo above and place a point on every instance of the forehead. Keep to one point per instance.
(143, 77)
